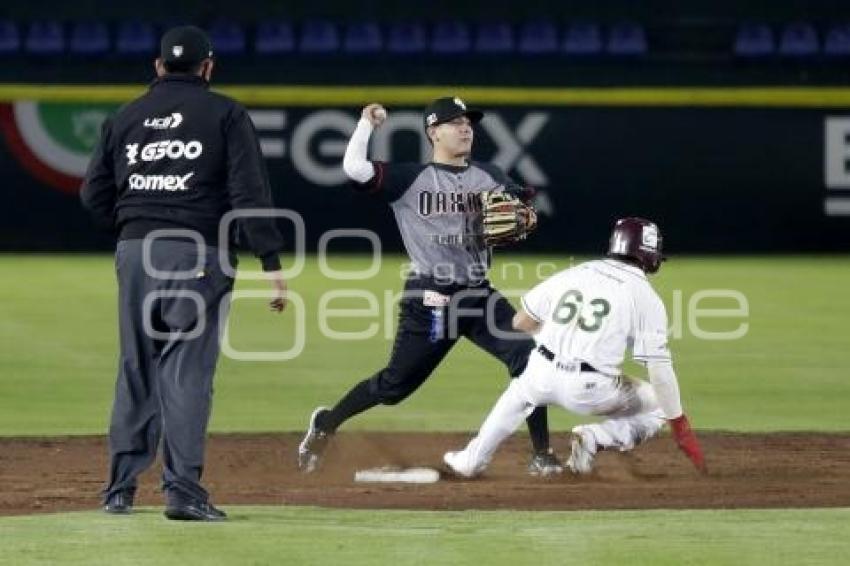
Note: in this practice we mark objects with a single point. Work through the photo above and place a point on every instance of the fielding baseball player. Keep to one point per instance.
(450, 213)
(583, 320)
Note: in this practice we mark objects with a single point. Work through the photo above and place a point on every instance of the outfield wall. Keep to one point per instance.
(722, 169)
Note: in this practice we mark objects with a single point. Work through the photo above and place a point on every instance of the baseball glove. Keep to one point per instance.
(505, 219)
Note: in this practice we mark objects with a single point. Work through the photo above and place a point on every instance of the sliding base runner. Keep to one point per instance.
(583, 320)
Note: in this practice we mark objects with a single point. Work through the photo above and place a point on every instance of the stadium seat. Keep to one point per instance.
(836, 43)
(228, 38)
(319, 37)
(799, 39)
(89, 38)
(450, 38)
(10, 38)
(165, 25)
(583, 38)
(538, 38)
(407, 38)
(626, 38)
(363, 37)
(274, 38)
(45, 38)
(135, 38)
(494, 38)
(754, 40)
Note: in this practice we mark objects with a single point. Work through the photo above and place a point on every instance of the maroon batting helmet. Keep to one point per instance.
(639, 240)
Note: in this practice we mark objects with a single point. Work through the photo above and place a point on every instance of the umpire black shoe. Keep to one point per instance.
(194, 510)
(545, 464)
(313, 445)
(120, 503)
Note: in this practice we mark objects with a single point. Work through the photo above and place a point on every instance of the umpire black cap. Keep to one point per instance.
(447, 109)
(185, 45)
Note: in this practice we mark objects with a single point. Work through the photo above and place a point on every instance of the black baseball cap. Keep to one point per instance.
(186, 45)
(447, 109)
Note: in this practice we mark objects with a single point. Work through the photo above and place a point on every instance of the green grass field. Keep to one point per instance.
(58, 336)
(305, 535)
(58, 354)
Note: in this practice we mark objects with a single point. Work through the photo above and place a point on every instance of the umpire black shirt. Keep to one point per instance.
(181, 156)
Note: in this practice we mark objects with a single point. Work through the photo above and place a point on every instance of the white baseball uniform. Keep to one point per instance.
(591, 315)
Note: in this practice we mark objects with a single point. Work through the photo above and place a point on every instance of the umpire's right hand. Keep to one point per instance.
(278, 302)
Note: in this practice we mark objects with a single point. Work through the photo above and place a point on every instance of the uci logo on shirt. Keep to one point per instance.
(172, 121)
(172, 149)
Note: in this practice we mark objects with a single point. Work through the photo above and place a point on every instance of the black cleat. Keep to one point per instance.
(545, 464)
(194, 510)
(120, 503)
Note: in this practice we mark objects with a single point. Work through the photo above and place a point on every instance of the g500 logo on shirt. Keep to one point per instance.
(172, 149)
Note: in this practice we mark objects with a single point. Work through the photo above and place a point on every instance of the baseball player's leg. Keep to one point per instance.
(185, 373)
(134, 431)
(416, 352)
(624, 433)
(414, 357)
(493, 332)
(520, 398)
(633, 417)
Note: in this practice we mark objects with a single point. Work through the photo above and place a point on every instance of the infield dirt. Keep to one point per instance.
(745, 470)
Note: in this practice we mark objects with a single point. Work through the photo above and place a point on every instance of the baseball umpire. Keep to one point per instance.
(168, 167)
(438, 207)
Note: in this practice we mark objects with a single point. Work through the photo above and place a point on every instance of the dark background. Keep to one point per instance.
(716, 179)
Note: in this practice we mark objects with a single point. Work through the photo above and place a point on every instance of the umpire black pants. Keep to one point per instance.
(426, 334)
(169, 333)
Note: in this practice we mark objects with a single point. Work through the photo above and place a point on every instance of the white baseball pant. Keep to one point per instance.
(630, 405)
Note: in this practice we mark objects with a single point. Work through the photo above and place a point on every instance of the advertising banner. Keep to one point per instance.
(717, 179)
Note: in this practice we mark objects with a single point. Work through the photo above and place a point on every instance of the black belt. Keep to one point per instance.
(550, 355)
(421, 281)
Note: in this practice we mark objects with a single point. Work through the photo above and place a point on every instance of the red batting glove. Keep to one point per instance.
(687, 441)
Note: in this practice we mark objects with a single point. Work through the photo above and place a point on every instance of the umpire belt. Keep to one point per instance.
(550, 355)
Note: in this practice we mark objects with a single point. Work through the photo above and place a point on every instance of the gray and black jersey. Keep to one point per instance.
(437, 212)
